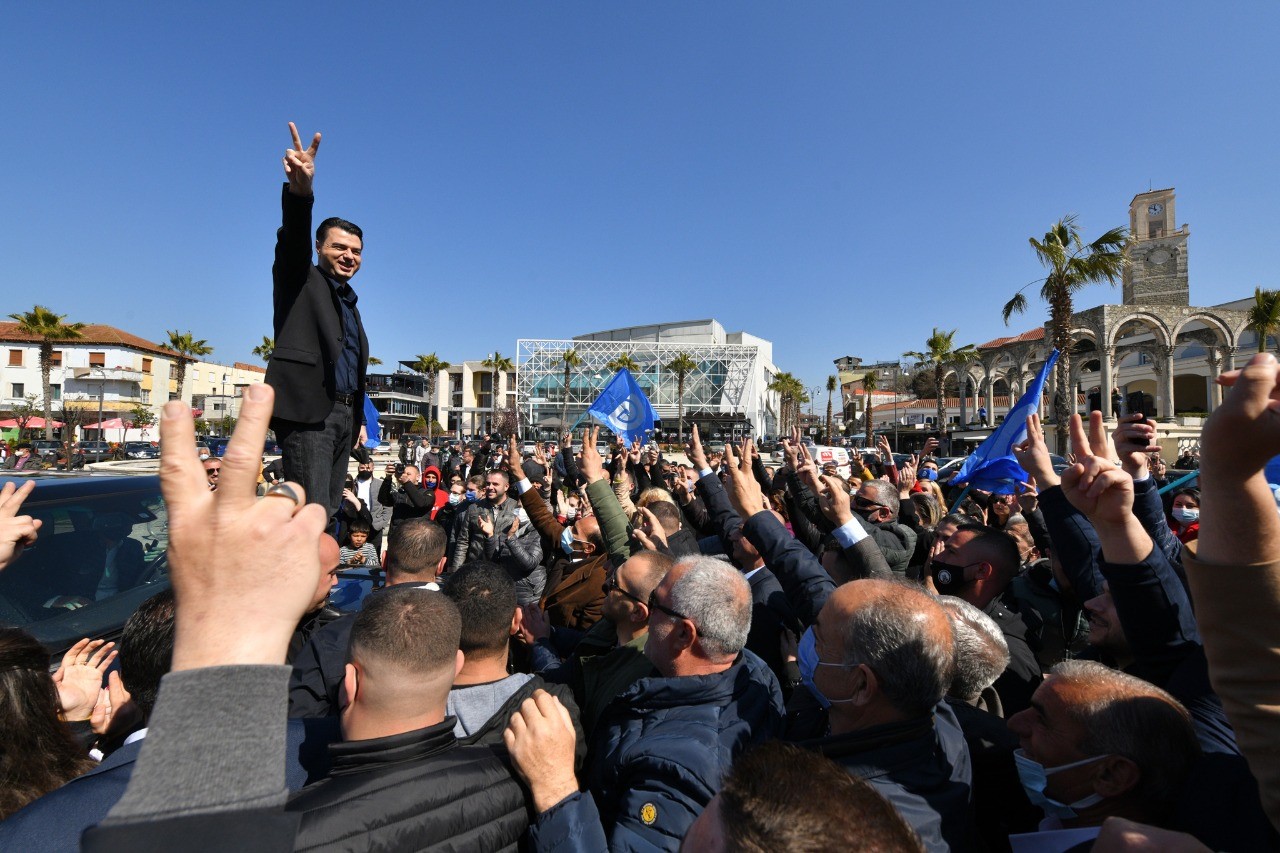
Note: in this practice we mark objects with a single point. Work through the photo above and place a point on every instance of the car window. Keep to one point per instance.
(92, 552)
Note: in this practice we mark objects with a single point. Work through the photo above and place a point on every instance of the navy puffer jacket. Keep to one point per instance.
(658, 756)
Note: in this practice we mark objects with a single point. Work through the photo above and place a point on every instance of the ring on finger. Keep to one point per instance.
(284, 490)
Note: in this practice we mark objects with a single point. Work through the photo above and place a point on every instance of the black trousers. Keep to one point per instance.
(317, 455)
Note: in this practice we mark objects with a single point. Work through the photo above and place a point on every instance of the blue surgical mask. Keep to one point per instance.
(454, 498)
(807, 658)
(1034, 777)
(566, 541)
(471, 494)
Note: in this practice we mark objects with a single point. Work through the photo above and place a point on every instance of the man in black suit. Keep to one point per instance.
(318, 365)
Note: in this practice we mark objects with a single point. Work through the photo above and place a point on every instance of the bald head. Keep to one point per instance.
(644, 571)
(899, 632)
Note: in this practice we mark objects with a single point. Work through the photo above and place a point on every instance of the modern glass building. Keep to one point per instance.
(726, 393)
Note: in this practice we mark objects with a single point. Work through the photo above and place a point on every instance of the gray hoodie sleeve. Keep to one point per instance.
(215, 743)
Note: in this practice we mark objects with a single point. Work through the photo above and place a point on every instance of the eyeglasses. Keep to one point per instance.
(654, 605)
(213, 472)
(865, 503)
(612, 583)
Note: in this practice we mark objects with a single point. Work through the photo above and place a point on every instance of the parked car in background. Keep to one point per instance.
(217, 446)
(95, 451)
(46, 449)
(383, 449)
(53, 589)
(140, 450)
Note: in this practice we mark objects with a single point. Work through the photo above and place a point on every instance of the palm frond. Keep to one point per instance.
(1016, 305)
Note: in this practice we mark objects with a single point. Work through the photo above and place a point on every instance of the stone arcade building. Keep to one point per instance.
(1154, 352)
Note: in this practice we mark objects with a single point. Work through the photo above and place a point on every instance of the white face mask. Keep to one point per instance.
(1186, 514)
(571, 513)
(522, 516)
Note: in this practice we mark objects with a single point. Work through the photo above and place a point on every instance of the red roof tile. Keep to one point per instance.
(92, 333)
(1036, 334)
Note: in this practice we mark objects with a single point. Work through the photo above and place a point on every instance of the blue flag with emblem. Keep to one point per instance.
(623, 408)
(992, 467)
(372, 430)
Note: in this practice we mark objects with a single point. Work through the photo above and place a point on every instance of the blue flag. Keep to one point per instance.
(623, 408)
(992, 466)
(373, 432)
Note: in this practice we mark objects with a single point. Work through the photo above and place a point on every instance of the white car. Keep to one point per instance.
(383, 449)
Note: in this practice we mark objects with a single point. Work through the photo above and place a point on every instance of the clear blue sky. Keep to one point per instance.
(836, 177)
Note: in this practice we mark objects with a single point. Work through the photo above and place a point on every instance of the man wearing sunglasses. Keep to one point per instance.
(662, 747)
(876, 502)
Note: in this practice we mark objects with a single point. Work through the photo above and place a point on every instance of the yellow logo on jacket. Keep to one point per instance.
(648, 814)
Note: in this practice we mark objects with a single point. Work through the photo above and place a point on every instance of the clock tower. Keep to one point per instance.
(1157, 271)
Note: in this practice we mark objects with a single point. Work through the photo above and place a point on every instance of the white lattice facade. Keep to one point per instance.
(726, 392)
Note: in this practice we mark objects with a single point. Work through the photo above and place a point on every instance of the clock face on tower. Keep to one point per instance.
(1156, 209)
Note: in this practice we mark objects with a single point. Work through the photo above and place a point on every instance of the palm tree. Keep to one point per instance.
(870, 381)
(47, 327)
(186, 348)
(1264, 315)
(1073, 265)
(430, 367)
(266, 349)
(832, 382)
(571, 360)
(623, 361)
(791, 394)
(374, 361)
(682, 365)
(496, 363)
(940, 353)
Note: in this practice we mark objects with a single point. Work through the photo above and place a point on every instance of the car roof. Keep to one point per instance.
(59, 484)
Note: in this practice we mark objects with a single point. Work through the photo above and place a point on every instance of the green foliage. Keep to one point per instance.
(419, 425)
(626, 360)
(187, 348)
(1264, 315)
(47, 327)
(265, 349)
(142, 416)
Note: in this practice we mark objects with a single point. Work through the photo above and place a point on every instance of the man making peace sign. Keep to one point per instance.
(318, 366)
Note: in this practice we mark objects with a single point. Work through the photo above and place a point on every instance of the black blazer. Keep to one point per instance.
(308, 326)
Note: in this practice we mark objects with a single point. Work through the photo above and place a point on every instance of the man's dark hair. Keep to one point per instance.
(486, 598)
(668, 515)
(342, 224)
(780, 798)
(503, 474)
(416, 547)
(359, 525)
(999, 548)
(409, 627)
(146, 649)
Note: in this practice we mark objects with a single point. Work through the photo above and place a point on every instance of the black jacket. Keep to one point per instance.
(921, 767)
(408, 501)
(1022, 676)
(318, 667)
(308, 326)
(770, 616)
(421, 790)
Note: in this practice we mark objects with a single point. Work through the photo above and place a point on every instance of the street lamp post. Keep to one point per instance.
(102, 392)
(223, 428)
(897, 372)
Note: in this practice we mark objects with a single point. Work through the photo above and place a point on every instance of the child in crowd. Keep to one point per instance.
(360, 566)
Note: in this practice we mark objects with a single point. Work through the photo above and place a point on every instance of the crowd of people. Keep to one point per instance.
(587, 653)
(489, 650)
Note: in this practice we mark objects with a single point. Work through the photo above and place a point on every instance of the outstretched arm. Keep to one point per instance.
(1234, 573)
(293, 240)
